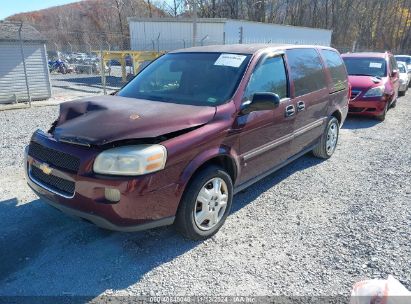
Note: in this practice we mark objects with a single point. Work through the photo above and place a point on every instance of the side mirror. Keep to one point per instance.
(395, 73)
(261, 102)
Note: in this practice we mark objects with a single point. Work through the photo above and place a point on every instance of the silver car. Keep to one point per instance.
(404, 77)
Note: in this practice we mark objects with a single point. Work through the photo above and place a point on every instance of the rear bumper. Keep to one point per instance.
(145, 202)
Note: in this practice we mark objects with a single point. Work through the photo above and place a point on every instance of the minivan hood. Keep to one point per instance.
(365, 82)
(105, 119)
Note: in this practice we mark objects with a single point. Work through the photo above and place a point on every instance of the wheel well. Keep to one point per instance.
(223, 161)
(337, 114)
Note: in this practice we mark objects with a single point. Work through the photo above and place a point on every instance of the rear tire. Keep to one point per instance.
(329, 139)
(205, 204)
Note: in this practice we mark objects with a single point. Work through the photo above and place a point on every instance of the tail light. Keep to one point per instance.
(349, 91)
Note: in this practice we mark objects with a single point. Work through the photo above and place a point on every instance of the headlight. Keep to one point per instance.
(375, 92)
(131, 160)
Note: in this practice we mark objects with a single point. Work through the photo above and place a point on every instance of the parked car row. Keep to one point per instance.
(198, 125)
(80, 63)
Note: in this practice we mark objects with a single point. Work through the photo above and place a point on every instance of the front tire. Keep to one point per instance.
(205, 204)
(329, 139)
(384, 114)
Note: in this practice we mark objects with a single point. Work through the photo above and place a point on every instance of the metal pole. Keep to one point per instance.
(89, 46)
(103, 76)
(24, 64)
(71, 47)
(158, 43)
(204, 38)
(194, 2)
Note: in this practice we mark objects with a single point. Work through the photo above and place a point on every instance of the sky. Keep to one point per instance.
(11, 7)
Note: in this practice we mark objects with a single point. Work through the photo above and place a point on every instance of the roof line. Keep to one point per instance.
(216, 20)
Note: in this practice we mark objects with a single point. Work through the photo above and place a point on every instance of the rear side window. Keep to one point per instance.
(306, 71)
(268, 76)
(337, 69)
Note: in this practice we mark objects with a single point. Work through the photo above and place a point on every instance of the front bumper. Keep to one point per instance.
(367, 107)
(147, 201)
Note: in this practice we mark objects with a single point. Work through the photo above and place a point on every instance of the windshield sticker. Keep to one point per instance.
(212, 99)
(231, 60)
(376, 65)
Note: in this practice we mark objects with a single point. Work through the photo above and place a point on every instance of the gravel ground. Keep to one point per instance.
(313, 228)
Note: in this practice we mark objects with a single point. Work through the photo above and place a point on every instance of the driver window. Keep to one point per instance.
(269, 76)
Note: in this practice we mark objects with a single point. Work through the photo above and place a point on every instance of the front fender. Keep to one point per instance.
(204, 157)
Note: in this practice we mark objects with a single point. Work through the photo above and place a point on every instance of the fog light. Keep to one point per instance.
(112, 195)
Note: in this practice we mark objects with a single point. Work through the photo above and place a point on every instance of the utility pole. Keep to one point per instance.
(24, 64)
(194, 4)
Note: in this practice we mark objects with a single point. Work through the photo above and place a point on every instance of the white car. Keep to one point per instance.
(407, 60)
(404, 78)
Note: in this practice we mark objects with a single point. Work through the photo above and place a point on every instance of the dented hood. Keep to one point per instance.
(104, 119)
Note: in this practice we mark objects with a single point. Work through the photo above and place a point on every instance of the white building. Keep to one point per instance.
(13, 85)
(174, 33)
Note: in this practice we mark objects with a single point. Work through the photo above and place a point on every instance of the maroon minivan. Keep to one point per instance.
(189, 131)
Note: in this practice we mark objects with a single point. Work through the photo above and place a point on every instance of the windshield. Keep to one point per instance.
(405, 59)
(205, 79)
(366, 66)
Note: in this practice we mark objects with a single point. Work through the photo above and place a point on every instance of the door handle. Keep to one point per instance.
(289, 111)
(300, 106)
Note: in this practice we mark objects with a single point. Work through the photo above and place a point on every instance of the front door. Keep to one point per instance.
(265, 136)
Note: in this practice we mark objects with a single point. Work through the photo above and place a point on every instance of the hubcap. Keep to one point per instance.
(332, 137)
(211, 204)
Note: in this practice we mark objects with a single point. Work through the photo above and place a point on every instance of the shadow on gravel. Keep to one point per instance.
(61, 255)
(354, 122)
(251, 193)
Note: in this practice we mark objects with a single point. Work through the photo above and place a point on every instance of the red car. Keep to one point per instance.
(190, 130)
(374, 79)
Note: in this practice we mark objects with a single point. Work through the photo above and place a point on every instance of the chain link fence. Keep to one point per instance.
(78, 66)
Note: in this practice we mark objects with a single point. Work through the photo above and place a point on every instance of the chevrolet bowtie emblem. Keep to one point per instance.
(45, 168)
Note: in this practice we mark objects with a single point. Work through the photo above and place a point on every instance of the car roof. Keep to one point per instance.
(402, 56)
(366, 55)
(244, 48)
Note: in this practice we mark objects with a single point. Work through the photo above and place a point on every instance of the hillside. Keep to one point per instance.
(88, 22)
